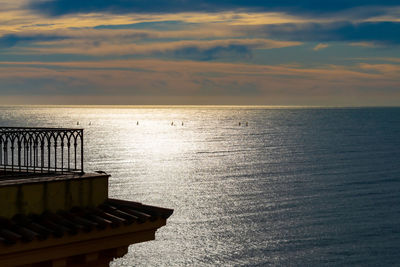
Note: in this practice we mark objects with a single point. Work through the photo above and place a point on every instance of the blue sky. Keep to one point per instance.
(334, 53)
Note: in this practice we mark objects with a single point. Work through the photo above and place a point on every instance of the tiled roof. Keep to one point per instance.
(113, 213)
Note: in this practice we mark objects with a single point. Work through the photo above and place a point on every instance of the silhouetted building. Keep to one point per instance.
(54, 214)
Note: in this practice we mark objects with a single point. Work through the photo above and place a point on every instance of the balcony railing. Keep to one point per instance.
(40, 150)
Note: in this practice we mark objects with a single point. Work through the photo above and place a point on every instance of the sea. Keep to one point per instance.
(250, 186)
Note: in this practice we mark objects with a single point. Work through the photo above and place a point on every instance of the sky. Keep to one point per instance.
(203, 52)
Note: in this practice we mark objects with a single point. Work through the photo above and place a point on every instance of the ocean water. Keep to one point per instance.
(295, 187)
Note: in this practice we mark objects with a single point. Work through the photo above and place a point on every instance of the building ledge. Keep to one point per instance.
(79, 234)
(15, 178)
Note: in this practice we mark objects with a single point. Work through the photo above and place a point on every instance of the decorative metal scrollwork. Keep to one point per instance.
(40, 150)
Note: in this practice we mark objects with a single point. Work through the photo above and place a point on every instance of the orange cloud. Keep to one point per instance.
(320, 46)
(131, 81)
(114, 47)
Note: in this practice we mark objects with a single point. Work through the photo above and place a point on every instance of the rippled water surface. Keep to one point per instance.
(295, 187)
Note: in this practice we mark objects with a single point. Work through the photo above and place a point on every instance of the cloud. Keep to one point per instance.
(378, 32)
(320, 46)
(6, 5)
(62, 7)
(11, 40)
(364, 44)
(187, 49)
(189, 82)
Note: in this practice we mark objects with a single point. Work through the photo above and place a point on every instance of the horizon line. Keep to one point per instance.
(195, 106)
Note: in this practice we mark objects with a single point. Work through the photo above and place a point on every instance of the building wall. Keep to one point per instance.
(52, 195)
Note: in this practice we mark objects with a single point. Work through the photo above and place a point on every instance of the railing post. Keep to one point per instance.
(19, 154)
(82, 171)
(26, 155)
(5, 157)
(1, 151)
(35, 154)
(42, 155)
(62, 155)
(69, 154)
(75, 145)
(55, 155)
(12, 155)
(48, 152)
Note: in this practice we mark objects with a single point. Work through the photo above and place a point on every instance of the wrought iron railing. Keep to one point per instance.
(40, 150)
